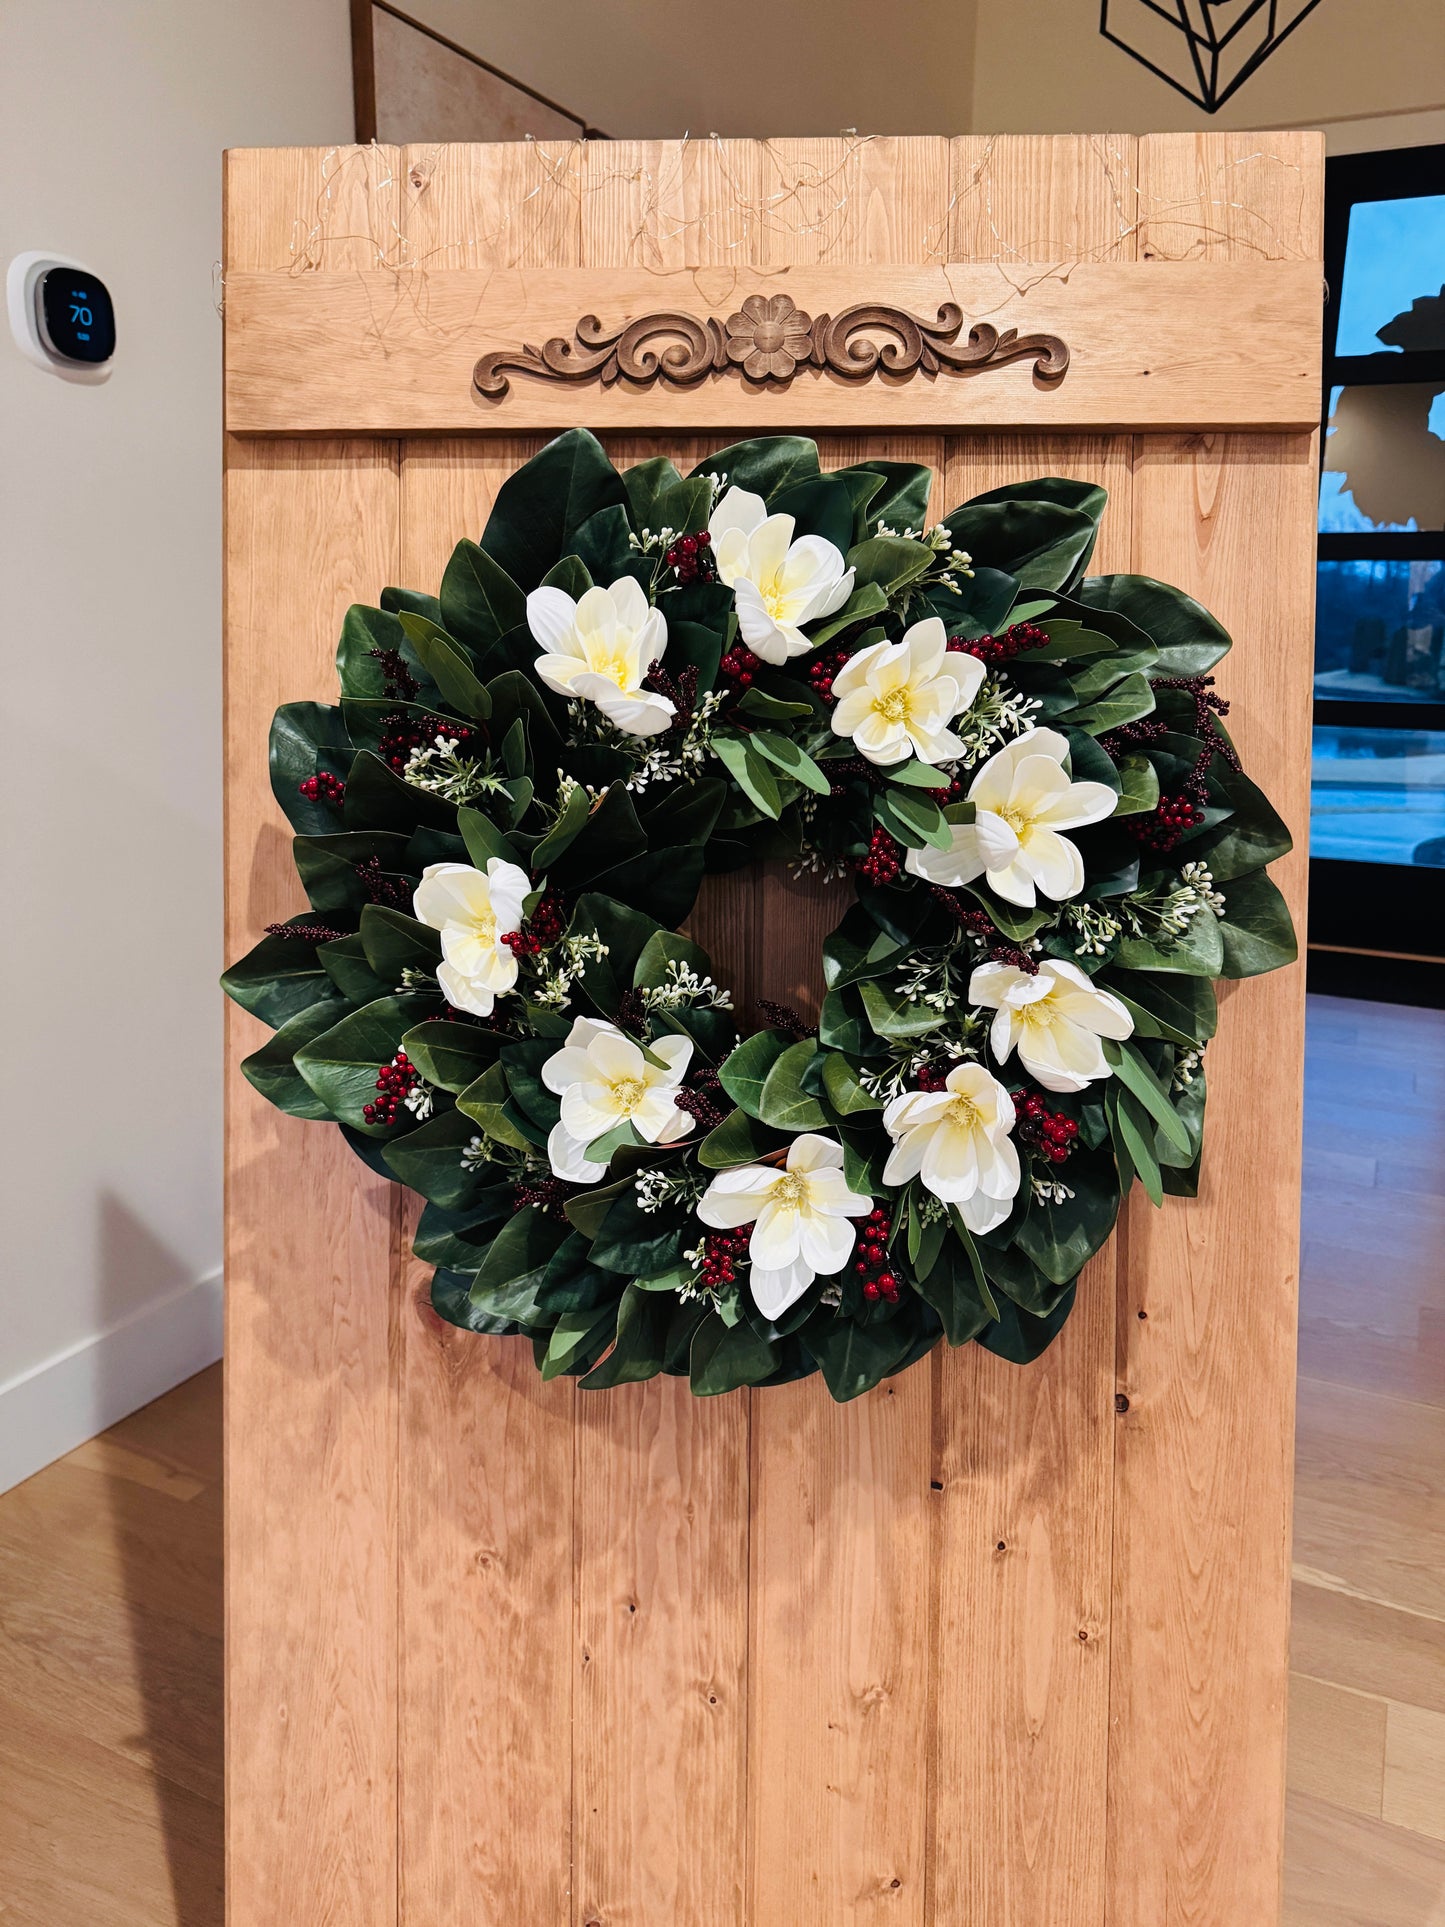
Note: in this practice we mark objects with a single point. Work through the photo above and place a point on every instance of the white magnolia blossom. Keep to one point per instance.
(799, 1216)
(1054, 1018)
(600, 649)
(896, 699)
(1022, 797)
(604, 1079)
(778, 584)
(473, 910)
(956, 1142)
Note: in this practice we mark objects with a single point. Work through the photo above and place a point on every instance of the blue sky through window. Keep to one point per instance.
(1394, 253)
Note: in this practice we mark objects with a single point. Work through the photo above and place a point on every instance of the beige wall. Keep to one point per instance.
(1370, 72)
(112, 122)
(752, 67)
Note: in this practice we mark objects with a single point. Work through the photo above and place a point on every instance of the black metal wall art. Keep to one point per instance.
(1204, 49)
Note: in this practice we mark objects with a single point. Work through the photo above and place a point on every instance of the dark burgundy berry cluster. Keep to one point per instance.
(308, 932)
(691, 558)
(397, 680)
(548, 1195)
(722, 1253)
(704, 1099)
(982, 926)
(379, 887)
(883, 863)
(541, 930)
(740, 665)
(323, 787)
(1050, 1134)
(871, 1264)
(822, 668)
(931, 1077)
(1161, 828)
(994, 651)
(403, 734)
(395, 1083)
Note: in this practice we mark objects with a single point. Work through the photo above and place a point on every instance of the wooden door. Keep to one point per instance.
(995, 1646)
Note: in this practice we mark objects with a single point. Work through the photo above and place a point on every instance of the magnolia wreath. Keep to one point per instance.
(636, 680)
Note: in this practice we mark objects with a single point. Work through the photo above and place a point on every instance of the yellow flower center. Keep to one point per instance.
(963, 1113)
(627, 1093)
(1039, 1015)
(614, 667)
(485, 926)
(1018, 819)
(790, 1190)
(894, 706)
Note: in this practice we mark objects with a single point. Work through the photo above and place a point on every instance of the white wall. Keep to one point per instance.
(1370, 72)
(663, 68)
(112, 122)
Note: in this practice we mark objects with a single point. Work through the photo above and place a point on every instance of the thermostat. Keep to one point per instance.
(61, 316)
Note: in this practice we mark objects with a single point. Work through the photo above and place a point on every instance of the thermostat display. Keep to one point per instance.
(61, 316)
(76, 315)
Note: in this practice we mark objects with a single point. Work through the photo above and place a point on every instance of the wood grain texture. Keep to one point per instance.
(841, 1621)
(1024, 1459)
(659, 1759)
(310, 1327)
(646, 1660)
(387, 351)
(485, 1483)
(1207, 1298)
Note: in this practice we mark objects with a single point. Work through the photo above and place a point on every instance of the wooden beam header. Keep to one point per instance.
(1148, 345)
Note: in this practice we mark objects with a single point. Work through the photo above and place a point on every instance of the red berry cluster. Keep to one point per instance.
(542, 928)
(722, 1252)
(996, 650)
(397, 680)
(401, 734)
(323, 787)
(691, 558)
(931, 1077)
(395, 1081)
(1162, 828)
(740, 665)
(881, 865)
(379, 887)
(871, 1264)
(549, 1195)
(1050, 1133)
(823, 668)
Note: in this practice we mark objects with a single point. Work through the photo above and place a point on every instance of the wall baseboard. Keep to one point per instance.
(60, 1403)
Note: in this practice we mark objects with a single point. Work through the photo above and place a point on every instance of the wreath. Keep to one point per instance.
(635, 680)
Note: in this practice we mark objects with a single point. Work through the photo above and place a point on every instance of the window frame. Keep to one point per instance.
(1377, 907)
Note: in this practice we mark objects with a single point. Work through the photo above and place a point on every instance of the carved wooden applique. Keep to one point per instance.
(768, 340)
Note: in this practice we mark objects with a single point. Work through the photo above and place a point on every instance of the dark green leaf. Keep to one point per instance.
(480, 601)
(1188, 638)
(538, 508)
(1256, 927)
(783, 1102)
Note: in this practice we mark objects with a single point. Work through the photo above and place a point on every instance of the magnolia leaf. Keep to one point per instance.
(750, 771)
(745, 1071)
(447, 665)
(783, 1102)
(792, 760)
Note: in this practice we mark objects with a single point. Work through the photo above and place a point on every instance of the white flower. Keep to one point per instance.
(897, 698)
(604, 1080)
(778, 584)
(801, 1215)
(1054, 1018)
(957, 1141)
(1022, 798)
(601, 648)
(474, 910)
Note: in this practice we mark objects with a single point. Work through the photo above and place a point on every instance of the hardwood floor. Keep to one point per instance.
(110, 1677)
(110, 1565)
(1366, 1845)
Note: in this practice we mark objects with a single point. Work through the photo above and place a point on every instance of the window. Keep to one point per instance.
(1377, 828)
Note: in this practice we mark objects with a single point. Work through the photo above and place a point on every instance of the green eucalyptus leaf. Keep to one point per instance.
(792, 760)
(541, 505)
(750, 771)
(783, 1101)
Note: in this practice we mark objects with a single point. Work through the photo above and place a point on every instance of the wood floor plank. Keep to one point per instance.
(1336, 1744)
(1342, 1870)
(1414, 1785)
(1367, 1646)
(88, 1839)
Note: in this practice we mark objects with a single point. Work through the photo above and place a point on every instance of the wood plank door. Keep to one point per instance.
(990, 1645)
